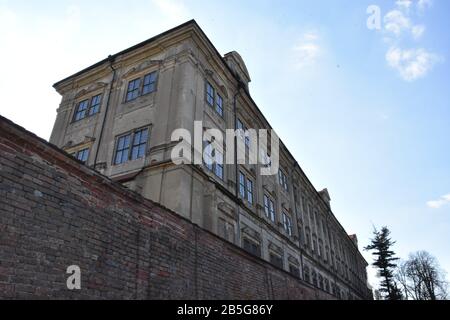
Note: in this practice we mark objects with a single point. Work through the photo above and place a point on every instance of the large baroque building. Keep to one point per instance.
(118, 117)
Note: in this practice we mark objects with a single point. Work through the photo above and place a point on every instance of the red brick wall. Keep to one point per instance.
(55, 212)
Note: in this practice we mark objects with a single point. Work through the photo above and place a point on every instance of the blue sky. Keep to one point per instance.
(365, 112)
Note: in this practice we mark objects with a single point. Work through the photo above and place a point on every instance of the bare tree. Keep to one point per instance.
(422, 278)
(401, 276)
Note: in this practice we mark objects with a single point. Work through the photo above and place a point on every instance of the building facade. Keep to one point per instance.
(118, 117)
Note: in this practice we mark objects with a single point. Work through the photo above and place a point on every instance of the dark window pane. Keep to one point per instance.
(219, 105)
(95, 105)
(133, 89)
(250, 191)
(208, 157)
(81, 110)
(239, 125)
(276, 261)
(219, 171)
(294, 271)
(83, 155)
(242, 185)
(210, 94)
(123, 148)
(149, 83)
(252, 247)
(139, 144)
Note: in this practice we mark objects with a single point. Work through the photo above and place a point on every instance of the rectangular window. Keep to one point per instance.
(133, 89)
(249, 191)
(295, 271)
(83, 155)
(283, 180)
(123, 149)
(81, 110)
(306, 274)
(276, 260)
(239, 125)
(219, 105)
(252, 247)
(149, 83)
(287, 223)
(242, 185)
(131, 146)
(218, 170)
(245, 188)
(210, 93)
(95, 104)
(246, 138)
(208, 157)
(213, 160)
(139, 144)
(308, 238)
(269, 208)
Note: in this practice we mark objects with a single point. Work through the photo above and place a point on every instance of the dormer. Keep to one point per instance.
(237, 66)
(326, 197)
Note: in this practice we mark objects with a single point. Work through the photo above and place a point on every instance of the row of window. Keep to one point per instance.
(319, 281)
(130, 146)
(269, 209)
(136, 88)
(314, 278)
(254, 248)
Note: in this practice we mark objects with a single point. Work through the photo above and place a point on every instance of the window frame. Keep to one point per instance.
(219, 107)
(140, 88)
(95, 107)
(246, 188)
(288, 224)
(152, 83)
(131, 145)
(250, 192)
(85, 151)
(254, 245)
(276, 260)
(139, 144)
(212, 99)
(215, 168)
(283, 180)
(269, 208)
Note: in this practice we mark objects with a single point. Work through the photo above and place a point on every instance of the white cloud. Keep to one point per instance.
(396, 22)
(307, 50)
(437, 204)
(424, 4)
(418, 31)
(310, 36)
(411, 64)
(404, 4)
